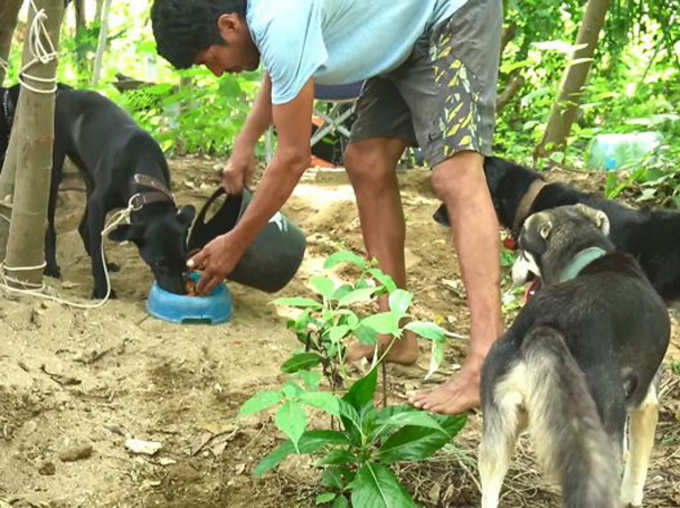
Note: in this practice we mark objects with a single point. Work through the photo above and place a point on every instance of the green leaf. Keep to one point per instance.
(342, 291)
(311, 379)
(362, 391)
(302, 361)
(337, 333)
(260, 401)
(377, 487)
(333, 477)
(399, 301)
(351, 422)
(322, 400)
(291, 419)
(274, 458)
(383, 322)
(310, 442)
(323, 285)
(347, 317)
(291, 389)
(345, 256)
(377, 431)
(383, 278)
(341, 502)
(366, 335)
(326, 497)
(337, 457)
(298, 301)
(436, 357)
(414, 418)
(416, 443)
(362, 295)
(427, 330)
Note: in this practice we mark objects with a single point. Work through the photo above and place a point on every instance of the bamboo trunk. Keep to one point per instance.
(566, 107)
(34, 133)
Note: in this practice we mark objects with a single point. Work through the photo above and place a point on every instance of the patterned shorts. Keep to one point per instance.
(443, 97)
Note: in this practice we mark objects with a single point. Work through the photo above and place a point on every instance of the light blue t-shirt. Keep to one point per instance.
(337, 41)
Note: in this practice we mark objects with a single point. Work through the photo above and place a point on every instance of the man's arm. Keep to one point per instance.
(241, 164)
(292, 157)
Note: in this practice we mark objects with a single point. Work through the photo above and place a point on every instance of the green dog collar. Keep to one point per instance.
(580, 261)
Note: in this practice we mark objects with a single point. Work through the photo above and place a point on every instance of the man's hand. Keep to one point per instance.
(216, 260)
(238, 172)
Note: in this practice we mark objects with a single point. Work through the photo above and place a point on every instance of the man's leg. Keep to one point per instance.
(460, 183)
(371, 166)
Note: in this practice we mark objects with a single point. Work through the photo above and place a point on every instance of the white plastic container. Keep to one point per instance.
(614, 151)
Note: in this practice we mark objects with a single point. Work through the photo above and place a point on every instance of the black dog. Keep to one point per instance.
(121, 165)
(579, 359)
(651, 236)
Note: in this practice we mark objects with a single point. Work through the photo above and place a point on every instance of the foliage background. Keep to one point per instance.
(634, 84)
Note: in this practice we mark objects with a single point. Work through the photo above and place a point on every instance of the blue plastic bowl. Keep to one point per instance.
(214, 308)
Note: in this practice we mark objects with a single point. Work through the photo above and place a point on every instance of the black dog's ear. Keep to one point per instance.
(127, 232)
(186, 214)
(441, 216)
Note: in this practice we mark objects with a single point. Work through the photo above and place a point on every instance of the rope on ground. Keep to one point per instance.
(43, 53)
(29, 289)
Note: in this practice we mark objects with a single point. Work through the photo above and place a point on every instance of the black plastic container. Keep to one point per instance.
(271, 261)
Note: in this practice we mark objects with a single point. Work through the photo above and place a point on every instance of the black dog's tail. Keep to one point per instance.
(564, 424)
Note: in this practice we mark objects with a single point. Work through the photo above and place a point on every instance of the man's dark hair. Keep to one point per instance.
(182, 28)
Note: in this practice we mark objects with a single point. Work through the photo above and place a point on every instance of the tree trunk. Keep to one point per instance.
(101, 45)
(80, 36)
(79, 13)
(566, 107)
(34, 130)
(98, 10)
(9, 9)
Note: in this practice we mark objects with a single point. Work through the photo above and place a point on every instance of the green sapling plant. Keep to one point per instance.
(357, 455)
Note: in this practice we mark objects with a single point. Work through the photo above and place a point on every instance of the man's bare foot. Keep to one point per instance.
(455, 396)
(404, 351)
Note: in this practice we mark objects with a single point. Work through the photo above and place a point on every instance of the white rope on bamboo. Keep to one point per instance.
(43, 53)
(37, 289)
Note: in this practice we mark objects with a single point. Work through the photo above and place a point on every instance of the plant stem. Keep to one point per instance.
(384, 379)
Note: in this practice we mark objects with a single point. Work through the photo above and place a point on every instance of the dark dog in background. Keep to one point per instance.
(651, 236)
(9, 99)
(580, 358)
(121, 164)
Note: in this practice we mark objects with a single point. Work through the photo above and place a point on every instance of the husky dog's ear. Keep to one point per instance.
(597, 217)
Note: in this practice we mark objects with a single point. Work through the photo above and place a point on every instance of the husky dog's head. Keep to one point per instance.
(551, 239)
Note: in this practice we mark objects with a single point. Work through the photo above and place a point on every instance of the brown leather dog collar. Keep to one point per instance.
(525, 204)
(141, 199)
(150, 181)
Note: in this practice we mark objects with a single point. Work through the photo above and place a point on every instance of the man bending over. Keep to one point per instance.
(430, 68)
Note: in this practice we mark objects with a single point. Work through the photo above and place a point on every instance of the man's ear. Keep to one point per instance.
(227, 23)
(186, 215)
(127, 232)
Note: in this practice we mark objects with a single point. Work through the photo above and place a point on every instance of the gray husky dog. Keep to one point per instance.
(578, 364)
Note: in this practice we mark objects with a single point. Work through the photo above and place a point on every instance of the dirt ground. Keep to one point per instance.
(76, 382)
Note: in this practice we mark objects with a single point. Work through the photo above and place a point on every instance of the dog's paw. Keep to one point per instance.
(113, 267)
(53, 271)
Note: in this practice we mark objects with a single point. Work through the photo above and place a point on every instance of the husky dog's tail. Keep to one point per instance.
(564, 424)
